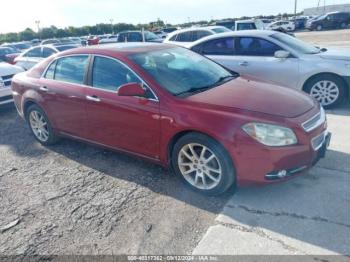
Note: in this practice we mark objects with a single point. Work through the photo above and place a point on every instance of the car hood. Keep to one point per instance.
(248, 94)
(7, 69)
(336, 54)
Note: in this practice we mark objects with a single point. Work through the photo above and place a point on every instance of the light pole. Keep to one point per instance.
(37, 22)
(111, 20)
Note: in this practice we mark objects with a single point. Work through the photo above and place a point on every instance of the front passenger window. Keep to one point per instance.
(109, 74)
(252, 46)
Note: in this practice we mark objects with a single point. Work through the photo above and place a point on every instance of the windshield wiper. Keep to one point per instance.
(196, 90)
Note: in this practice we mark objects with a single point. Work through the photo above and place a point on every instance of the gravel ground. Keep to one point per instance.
(74, 198)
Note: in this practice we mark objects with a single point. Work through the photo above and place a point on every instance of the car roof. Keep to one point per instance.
(257, 33)
(123, 49)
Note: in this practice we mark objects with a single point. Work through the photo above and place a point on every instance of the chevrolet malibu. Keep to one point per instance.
(177, 108)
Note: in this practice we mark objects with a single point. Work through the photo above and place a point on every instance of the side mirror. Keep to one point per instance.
(281, 54)
(132, 89)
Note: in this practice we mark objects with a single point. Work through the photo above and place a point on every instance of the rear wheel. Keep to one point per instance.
(40, 125)
(328, 90)
(203, 164)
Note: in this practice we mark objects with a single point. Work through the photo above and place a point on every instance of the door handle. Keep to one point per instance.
(244, 63)
(93, 98)
(44, 89)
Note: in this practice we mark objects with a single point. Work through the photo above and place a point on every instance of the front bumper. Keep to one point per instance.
(5, 95)
(288, 173)
(254, 162)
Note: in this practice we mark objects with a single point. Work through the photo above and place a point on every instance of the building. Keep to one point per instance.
(326, 9)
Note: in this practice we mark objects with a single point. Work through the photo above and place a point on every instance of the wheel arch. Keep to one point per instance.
(180, 134)
(26, 105)
(346, 84)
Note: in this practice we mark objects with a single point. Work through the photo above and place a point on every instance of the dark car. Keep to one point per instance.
(21, 46)
(300, 23)
(175, 108)
(8, 54)
(329, 21)
(136, 36)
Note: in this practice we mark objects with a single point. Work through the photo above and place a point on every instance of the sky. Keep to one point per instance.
(21, 14)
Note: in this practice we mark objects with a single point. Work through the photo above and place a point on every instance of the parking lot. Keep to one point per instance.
(74, 198)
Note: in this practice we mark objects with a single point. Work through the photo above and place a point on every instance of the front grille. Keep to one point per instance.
(318, 141)
(7, 80)
(315, 121)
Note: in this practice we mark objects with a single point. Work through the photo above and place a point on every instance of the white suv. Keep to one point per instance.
(7, 71)
(185, 37)
(284, 60)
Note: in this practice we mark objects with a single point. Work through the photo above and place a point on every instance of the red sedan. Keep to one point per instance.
(176, 108)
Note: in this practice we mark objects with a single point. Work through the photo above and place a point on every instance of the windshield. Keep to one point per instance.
(22, 46)
(296, 44)
(65, 47)
(181, 71)
(219, 30)
(150, 36)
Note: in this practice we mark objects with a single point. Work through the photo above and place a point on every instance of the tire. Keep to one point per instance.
(343, 25)
(34, 115)
(219, 167)
(319, 28)
(328, 90)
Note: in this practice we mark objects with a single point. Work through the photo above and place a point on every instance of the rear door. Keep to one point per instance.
(127, 123)
(64, 90)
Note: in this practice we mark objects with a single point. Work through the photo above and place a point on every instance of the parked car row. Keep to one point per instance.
(177, 108)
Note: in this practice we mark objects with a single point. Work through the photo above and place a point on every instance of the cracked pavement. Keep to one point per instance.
(309, 215)
(73, 198)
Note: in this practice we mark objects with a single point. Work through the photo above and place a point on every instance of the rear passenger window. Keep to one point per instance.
(222, 46)
(71, 69)
(110, 74)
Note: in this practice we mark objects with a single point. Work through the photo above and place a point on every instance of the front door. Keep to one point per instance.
(126, 123)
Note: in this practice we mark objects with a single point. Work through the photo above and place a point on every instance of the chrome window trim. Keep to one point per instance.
(156, 99)
(91, 56)
(322, 118)
(323, 135)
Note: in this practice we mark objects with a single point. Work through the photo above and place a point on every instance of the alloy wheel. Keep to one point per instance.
(199, 166)
(39, 126)
(325, 92)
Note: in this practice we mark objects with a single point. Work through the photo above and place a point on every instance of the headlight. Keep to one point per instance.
(271, 135)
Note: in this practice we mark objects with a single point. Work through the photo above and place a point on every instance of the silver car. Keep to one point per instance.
(282, 59)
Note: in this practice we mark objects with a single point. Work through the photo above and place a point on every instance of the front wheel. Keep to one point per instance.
(319, 28)
(329, 91)
(203, 164)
